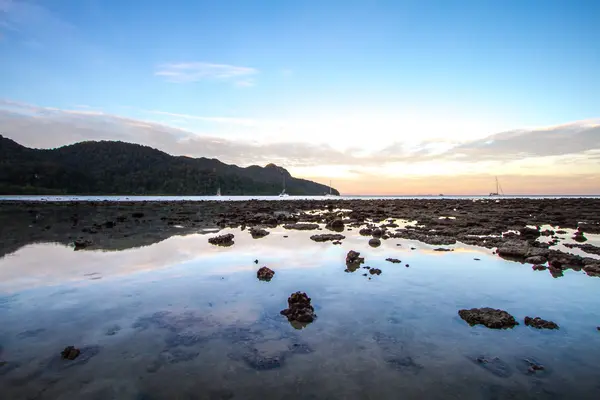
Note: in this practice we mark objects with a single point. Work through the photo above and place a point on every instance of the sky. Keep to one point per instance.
(380, 97)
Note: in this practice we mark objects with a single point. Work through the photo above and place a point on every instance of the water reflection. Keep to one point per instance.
(185, 319)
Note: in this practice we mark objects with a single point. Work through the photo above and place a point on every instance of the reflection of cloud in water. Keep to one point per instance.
(48, 264)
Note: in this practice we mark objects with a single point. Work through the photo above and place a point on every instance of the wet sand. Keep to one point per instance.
(158, 312)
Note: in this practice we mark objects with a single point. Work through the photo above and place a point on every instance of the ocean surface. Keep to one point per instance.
(182, 319)
(246, 198)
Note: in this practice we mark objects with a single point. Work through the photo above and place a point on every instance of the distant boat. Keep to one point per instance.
(218, 191)
(283, 193)
(330, 194)
(498, 191)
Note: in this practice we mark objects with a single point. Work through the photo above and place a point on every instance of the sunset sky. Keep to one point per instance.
(381, 97)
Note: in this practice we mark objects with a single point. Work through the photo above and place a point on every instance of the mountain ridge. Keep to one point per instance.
(116, 167)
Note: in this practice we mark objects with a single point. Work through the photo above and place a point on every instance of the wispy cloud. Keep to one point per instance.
(199, 71)
(218, 120)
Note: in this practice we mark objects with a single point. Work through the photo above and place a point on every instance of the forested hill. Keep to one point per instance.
(108, 167)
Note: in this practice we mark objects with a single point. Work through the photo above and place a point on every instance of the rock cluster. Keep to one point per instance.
(70, 353)
(489, 317)
(539, 323)
(222, 240)
(299, 308)
(265, 274)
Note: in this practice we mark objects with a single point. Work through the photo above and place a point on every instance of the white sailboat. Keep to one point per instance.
(218, 191)
(283, 193)
(330, 194)
(498, 191)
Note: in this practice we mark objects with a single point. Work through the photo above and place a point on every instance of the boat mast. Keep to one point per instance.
(330, 186)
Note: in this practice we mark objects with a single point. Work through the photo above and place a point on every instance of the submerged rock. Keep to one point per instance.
(222, 240)
(353, 258)
(533, 366)
(70, 353)
(265, 274)
(514, 248)
(489, 317)
(327, 236)
(299, 308)
(258, 233)
(374, 242)
(539, 323)
(82, 243)
(375, 271)
(393, 260)
(301, 226)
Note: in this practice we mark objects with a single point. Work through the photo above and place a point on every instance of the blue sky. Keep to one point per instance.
(298, 71)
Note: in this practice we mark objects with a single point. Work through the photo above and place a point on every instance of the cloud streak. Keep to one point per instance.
(186, 72)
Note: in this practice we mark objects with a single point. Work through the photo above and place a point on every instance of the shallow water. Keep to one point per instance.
(184, 319)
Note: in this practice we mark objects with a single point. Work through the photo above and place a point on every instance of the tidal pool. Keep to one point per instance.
(182, 319)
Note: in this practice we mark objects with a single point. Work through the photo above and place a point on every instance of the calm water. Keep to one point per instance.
(182, 319)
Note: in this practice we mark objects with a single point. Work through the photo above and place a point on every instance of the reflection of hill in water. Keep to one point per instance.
(110, 228)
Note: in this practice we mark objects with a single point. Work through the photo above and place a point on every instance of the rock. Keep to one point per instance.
(529, 233)
(407, 265)
(222, 240)
(536, 260)
(82, 243)
(539, 267)
(489, 317)
(366, 231)
(327, 236)
(393, 260)
(255, 261)
(258, 233)
(137, 214)
(533, 366)
(377, 232)
(514, 248)
(301, 226)
(70, 353)
(556, 272)
(375, 271)
(299, 308)
(539, 323)
(336, 225)
(592, 269)
(374, 242)
(109, 224)
(265, 274)
(561, 232)
(477, 259)
(578, 237)
(442, 249)
(353, 261)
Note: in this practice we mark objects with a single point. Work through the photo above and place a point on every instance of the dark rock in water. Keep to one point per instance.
(539, 323)
(477, 259)
(375, 271)
(365, 274)
(336, 225)
(407, 265)
(489, 317)
(442, 249)
(393, 260)
(109, 224)
(137, 214)
(561, 232)
(255, 261)
(578, 237)
(222, 240)
(533, 366)
(374, 242)
(327, 236)
(336, 242)
(70, 353)
(353, 258)
(514, 248)
(82, 243)
(366, 231)
(494, 365)
(539, 267)
(556, 272)
(265, 274)
(258, 233)
(301, 226)
(592, 269)
(377, 232)
(529, 233)
(536, 260)
(299, 308)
